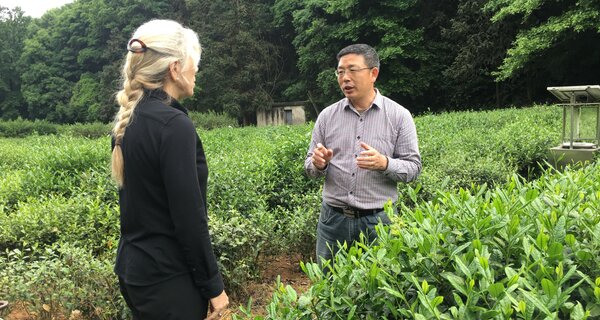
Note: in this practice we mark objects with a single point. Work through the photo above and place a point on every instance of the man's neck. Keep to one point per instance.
(364, 104)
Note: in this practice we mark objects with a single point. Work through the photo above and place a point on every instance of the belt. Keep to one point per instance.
(355, 212)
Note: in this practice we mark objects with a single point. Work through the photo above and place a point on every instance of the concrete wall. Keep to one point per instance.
(281, 116)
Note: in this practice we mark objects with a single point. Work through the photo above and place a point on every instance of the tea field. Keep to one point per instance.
(487, 231)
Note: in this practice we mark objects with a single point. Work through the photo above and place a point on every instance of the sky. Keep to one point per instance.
(34, 8)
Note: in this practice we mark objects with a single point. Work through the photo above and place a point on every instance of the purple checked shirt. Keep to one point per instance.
(388, 128)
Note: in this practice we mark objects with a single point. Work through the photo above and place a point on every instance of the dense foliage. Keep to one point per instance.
(21, 128)
(522, 250)
(436, 55)
(59, 211)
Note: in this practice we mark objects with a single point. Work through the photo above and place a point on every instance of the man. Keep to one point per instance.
(364, 145)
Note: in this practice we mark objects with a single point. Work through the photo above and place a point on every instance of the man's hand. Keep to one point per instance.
(218, 306)
(321, 156)
(371, 159)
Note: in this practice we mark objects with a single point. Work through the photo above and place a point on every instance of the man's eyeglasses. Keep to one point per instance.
(351, 71)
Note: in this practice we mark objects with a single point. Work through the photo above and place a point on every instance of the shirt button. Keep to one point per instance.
(361, 119)
(358, 137)
(353, 174)
(350, 192)
(356, 156)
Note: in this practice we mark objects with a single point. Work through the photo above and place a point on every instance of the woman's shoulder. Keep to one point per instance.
(158, 110)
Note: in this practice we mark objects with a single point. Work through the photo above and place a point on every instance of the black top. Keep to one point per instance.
(164, 229)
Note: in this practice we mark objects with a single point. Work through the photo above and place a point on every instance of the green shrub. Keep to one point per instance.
(42, 165)
(57, 189)
(212, 120)
(522, 250)
(88, 130)
(60, 281)
(238, 241)
(22, 128)
(88, 222)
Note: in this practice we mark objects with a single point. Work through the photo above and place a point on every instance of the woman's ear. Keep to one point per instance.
(174, 70)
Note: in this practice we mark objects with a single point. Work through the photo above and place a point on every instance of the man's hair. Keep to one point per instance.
(365, 50)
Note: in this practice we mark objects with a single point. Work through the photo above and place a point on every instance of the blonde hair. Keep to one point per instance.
(153, 47)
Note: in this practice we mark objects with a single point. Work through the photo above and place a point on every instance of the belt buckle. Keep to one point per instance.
(349, 212)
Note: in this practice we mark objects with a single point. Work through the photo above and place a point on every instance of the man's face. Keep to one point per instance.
(355, 78)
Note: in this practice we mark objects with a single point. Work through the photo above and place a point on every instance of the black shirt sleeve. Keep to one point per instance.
(187, 208)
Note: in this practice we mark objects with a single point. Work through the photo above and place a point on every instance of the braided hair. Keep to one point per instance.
(153, 47)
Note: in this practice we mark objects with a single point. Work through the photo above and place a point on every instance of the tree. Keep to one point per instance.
(13, 31)
(477, 46)
(242, 62)
(71, 47)
(547, 25)
(322, 28)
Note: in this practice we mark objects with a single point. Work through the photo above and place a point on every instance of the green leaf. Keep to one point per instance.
(490, 314)
(351, 313)
(556, 251)
(303, 302)
(457, 282)
(522, 306)
(425, 286)
(477, 244)
(496, 289)
(548, 287)
(542, 240)
(536, 302)
(462, 267)
(578, 312)
(437, 301)
(393, 292)
(570, 239)
(291, 292)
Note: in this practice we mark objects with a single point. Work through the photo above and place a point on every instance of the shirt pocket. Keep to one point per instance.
(384, 143)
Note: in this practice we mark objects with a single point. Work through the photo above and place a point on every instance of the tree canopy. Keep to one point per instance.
(435, 55)
(546, 25)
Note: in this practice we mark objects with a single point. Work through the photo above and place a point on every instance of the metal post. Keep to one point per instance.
(572, 124)
(597, 125)
(572, 120)
(564, 128)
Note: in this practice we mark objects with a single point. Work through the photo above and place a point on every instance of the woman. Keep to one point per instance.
(165, 262)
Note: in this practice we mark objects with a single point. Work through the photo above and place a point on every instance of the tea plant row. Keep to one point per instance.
(59, 210)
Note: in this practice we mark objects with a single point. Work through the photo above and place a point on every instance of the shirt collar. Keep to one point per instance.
(164, 97)
(175, 104)
(377, 102)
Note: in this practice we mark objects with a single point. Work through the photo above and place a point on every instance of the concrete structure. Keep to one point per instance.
(581, 107)
(281, 115)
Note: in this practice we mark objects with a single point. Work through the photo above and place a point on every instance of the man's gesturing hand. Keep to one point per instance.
(321, 156)
(371, 159)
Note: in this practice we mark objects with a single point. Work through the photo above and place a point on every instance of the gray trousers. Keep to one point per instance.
(334, 227)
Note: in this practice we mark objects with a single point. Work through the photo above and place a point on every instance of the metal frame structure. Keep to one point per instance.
(573, 95)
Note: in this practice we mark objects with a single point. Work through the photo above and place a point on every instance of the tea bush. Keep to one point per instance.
(60, 280)
(79, 220)
(211, 120)
(484, 146)
(524, 250)
(56, 193)
(88, 130)
(21, 128)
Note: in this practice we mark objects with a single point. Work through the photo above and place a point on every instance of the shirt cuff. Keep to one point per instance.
(209, 288)
(315, 172)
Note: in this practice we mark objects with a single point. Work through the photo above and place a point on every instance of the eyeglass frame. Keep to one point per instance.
(342, 72)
